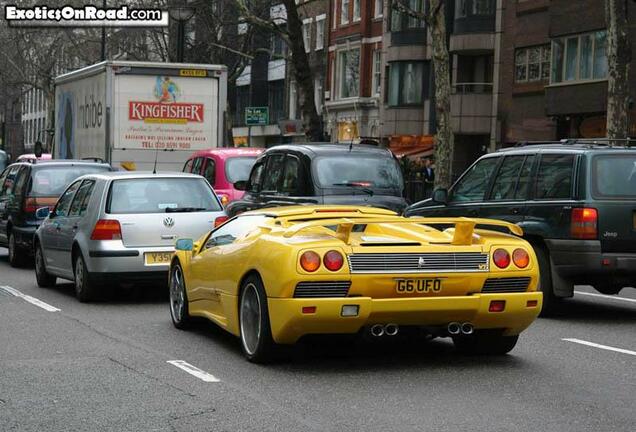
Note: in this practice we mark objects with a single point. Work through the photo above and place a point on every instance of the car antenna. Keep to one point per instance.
(154, 168)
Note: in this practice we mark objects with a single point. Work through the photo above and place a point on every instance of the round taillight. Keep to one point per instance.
(521, 258)
(333, 260)
(310, 261)
(501, 257)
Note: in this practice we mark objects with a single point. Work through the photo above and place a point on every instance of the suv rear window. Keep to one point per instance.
(161, 195)
(52, 180)
(359, 171)
(614, 176)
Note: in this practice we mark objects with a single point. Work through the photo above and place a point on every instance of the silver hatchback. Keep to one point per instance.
(121, 227)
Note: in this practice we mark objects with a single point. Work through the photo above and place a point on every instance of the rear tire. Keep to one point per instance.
(608, 288)
(485, 343)
(255, 330)
(16, 254)
(179, 311)
(551, 303)
(44, 279)
(84, 285)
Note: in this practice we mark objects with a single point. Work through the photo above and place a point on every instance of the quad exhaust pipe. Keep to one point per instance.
(456, 328)
(378, 330)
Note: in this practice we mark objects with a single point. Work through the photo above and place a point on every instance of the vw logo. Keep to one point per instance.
(421, 262)
(168, 222)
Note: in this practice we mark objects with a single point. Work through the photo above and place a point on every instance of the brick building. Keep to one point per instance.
(354, 77)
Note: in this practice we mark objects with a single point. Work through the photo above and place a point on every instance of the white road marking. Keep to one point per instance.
(193, 370)
(609, 297)
(32, 300)
(605, 347)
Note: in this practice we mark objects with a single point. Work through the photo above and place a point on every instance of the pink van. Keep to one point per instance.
(223, 167)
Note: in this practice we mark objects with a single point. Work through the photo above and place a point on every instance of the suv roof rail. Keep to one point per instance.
(590, 142)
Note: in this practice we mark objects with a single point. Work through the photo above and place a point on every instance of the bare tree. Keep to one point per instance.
(291, 32)
(435, 19)
(618, 60)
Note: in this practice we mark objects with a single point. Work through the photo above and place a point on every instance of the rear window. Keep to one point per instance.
(238, 168)
(161, 195)
(358, 171)
(53, 180)
(614, 176)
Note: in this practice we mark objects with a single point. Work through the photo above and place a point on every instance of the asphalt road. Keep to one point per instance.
(66, 366)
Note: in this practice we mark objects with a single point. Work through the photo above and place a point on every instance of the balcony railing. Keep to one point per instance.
(472, 88)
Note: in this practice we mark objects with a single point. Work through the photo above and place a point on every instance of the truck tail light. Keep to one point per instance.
(333, 260)
(310, 261)
(584, 223)
(501, 257)
(106, 229)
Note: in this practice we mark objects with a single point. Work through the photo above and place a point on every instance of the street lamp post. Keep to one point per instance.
(181, 14)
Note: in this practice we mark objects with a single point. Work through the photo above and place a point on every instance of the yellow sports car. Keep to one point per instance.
(274, 275)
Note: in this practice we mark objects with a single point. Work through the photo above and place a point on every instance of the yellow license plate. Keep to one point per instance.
(158, 257)
(423, 286)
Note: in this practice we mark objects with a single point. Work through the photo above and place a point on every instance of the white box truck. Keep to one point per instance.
(133, 113)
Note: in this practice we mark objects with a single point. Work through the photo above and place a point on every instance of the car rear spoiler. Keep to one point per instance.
(462, 232)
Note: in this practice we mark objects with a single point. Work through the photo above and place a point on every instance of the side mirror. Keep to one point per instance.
(184, 245)
(42, 212)
(440, 196)
(240, 185)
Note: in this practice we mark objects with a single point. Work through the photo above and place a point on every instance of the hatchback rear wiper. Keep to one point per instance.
(184, 209)
(355, 185)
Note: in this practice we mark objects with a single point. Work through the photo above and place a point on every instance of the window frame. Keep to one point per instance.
(84, 198)
(299, 179)
(525, 157)
(376, 72)
(537, 172)
(320, 38)
(341, 74)
(402, 66)
(257, 165)
(554, 66)
(57, 204)
(344, 12)
(451, 193)
(208, 161)
(270, 160)
(526, 63)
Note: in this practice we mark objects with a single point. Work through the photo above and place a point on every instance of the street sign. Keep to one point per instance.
(256, 116)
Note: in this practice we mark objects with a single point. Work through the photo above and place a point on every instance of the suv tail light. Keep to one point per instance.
(584, 223)
(106, 229)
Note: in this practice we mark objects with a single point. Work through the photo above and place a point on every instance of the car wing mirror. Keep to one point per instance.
(240, 185)
(184, 245)
(42, 212)
(440, 196)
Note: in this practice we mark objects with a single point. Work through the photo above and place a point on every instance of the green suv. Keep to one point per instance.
(575, 200)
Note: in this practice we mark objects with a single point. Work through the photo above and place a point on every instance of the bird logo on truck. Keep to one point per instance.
(167, 109)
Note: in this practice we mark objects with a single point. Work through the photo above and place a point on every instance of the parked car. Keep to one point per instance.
(575, 200)
(223, 167)
(27, 186)
(272, 276)
(323, 174)
(121, 227)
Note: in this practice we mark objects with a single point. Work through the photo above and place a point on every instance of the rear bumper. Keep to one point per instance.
(289, 323)
(114, 258)
(583, 259)
(24, 236)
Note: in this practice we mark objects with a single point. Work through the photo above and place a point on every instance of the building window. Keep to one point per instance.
(401, 21)
(276, 100)
(406, 81)
(349, 73)
(293, 100)
(307, 34)
(483, 7)
(532, 64)
(356, 10)
(344, 12)
(377, 72)
(242, 102)
(379, 8)
(320, 32)
(318, 94)
(579, 58)
(278, 47)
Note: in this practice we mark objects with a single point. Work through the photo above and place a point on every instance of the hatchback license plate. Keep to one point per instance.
(403, 286)
(153, 258)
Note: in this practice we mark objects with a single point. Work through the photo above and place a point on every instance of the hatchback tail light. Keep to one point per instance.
(106, 229)
(584, 223)
(220, 221)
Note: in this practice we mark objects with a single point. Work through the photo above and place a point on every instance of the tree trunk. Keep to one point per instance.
(444, 138)
(303, 74)
(618, 61)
